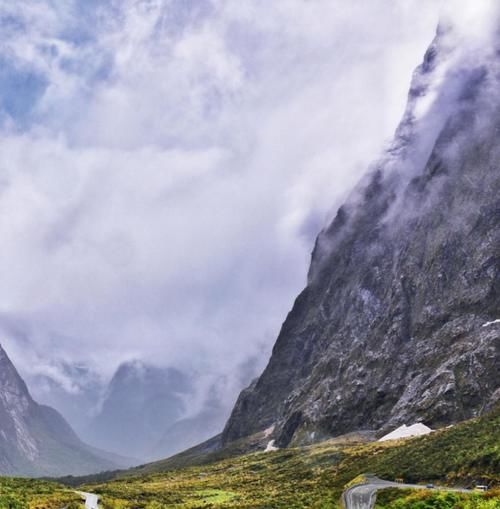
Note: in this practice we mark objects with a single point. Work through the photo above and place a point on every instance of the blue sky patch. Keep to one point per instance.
(20, 90)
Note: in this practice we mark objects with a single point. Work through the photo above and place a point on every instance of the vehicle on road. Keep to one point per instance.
(481, 487)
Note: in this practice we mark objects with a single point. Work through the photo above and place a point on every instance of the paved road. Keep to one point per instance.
(91, 500)
(362, 496)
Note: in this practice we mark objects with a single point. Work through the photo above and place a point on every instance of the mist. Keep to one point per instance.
(166, 167)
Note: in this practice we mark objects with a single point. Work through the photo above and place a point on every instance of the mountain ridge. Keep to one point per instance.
(35, 440)
(389, 329)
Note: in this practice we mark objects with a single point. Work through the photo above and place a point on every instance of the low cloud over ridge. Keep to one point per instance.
(171, 162)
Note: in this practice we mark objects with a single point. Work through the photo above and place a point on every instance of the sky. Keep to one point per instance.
(165, 166)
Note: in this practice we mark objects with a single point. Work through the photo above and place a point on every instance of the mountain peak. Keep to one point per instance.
(11, 383)
(390, 326)
(141, 402)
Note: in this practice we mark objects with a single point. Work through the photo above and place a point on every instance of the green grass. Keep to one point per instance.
(36, 494)
(315, 476)
(298, 478)
(217, 496)
(427, 499)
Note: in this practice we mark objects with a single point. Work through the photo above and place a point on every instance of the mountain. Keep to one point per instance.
(150, 412)
(399, 321)
(77, 399)
(35, 440)
(141, 403)
(195, 429)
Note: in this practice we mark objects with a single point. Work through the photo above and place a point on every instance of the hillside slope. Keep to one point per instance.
(35, 440)
(399, 319)
(315, 476)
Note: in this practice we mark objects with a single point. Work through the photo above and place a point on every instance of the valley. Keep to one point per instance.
(313, 476)
(382, 387)
(316, 476)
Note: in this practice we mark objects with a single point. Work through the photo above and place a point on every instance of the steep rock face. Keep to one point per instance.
(35, 439)
(394, 324)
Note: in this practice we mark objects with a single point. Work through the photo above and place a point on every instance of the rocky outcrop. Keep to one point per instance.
(35, 440)
(397, 323)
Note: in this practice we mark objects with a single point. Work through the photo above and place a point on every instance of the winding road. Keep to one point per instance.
(91, 500)
(362, 496)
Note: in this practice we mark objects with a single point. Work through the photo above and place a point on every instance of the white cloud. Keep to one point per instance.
(163, 199)
(475, 21)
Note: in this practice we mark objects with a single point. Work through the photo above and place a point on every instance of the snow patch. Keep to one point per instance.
(405, 431)
(268, 431)
(270, 446)
(487, 324)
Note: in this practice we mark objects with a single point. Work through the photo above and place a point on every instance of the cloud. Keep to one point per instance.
(160, 196)
(473, 22)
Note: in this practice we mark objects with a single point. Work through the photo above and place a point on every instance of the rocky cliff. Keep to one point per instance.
(399, 322)
(35, 440)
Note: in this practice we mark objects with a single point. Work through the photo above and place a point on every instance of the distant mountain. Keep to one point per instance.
(141, 403)
(77, 399)
(35, 440)
(399, 321)
(189, 431)
(208, 420)
(145, 411)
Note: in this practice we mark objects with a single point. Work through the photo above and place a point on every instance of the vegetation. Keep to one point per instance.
(309, 477)
(394, 498)
(315, 476)
(36, 494)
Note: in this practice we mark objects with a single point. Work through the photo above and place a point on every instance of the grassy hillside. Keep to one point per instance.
(428, 499)
(310, 477)
(314, 477)
(34, 494)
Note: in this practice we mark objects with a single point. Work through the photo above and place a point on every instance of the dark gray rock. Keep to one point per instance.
(392, 327)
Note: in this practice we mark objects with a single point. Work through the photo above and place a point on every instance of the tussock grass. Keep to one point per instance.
(315, 476)
(298, 478)
(36, 494)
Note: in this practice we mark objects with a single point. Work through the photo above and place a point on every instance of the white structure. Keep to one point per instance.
(270, 447)
(405, 431)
